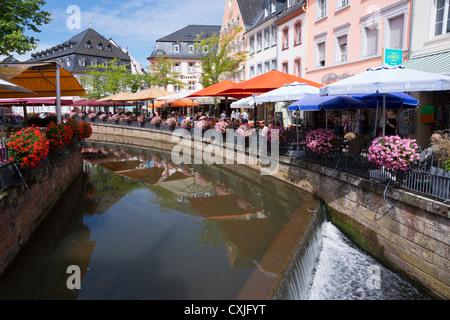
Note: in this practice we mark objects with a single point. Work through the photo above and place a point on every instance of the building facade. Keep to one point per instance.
(180, 47)
(88, 48)
(345, 37)
(263, 40)
(292, 30)
(241, 14)
(430, 52)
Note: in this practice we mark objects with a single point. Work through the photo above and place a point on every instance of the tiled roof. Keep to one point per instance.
(251, 10)
(190, 33)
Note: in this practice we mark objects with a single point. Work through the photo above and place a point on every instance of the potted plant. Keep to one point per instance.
(172, 122)
(320, 141)
(186, 124)
(393, 153)
(203, 124)
(156, 120)
(58, 135)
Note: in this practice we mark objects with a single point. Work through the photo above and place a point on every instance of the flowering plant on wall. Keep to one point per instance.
(186, 124)
(319, 141)
(171, 122)
(58, 135)
(245, 130)
(393, 152)
(27, 147)
(140, 119)
(114, 117)
(92, 115)
(103, 116)
(282, 134)
(203, 124)
(156, 120)
(221, 126)
(85, 130)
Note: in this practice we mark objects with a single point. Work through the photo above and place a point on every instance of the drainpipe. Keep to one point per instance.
(411, 28)
(306, 9)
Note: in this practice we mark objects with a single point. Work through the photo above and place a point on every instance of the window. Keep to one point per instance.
(177, 67)
(321, 9)
(251, 44)
(88, 44)
(284, 67)
(191, 67)
(273, 6)
(266, 38)
(259, 41)
(68, 62)
(205, 49)
(109, 48)
(341, 4)
(266, 66)
(82, 62)
(274, 64)
(252, 72)
(298, 67)
(395, 32)
(191, 48)
(176, 48)
(370, 41)
(320, 54)
(341, 49)
(290, 3)
(273, 35)
(298, 33)
(285, 38)
(266, 12)
(259, 69)
(176, 88)
(191, 85)
(442, 18)
(94, 63)
(100, 46)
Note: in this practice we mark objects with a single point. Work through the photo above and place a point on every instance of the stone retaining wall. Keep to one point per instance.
(22, 213)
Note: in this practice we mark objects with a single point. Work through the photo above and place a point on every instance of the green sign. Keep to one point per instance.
(393, 57)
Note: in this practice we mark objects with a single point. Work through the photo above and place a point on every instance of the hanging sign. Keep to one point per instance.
(393, 57)
(427, 114)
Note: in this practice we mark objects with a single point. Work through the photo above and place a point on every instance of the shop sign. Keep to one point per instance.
(190, 77)
(393, 57)
(333, 77)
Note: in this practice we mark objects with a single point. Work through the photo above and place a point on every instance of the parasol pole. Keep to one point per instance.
(58, 92)
(384, 114)
(376, 121)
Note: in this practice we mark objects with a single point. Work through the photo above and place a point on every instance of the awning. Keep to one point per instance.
(34, 101)
(39, 78)
(435, 63)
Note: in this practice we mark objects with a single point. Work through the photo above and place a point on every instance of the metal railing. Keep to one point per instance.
(428, 177)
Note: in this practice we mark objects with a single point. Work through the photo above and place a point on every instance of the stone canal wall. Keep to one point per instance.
(404, 231)
(22, 212)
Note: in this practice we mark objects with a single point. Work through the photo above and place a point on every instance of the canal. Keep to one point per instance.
(137, 226)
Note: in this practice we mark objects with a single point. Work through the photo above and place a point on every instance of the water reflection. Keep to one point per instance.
(140, 227)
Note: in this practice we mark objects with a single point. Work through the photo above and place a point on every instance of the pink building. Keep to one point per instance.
(345, 37)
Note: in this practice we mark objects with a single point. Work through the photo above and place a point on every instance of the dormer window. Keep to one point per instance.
(68, 62)
(100, 46)
(88, 44)
(273, 6)
(109, 48)
(176, 48)
(94, 63)
(191, 48)
(82, 62)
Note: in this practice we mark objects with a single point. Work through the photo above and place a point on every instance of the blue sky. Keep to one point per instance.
(134, 24)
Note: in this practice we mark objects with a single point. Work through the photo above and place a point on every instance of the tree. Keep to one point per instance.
(16, 17)
(218, 60)
(162, 74)
(106, 79)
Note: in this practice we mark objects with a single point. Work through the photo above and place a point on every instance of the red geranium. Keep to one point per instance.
(27, 147)
(58, 135)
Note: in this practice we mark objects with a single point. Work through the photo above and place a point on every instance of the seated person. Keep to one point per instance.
(427, 153)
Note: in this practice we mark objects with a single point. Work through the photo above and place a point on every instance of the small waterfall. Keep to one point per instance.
(297, 280)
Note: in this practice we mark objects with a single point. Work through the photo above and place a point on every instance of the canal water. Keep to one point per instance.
(136, 226)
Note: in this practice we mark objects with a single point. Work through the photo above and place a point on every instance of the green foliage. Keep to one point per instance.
(107, 79)
(17, 17)
(162, 74)
(217, 59)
